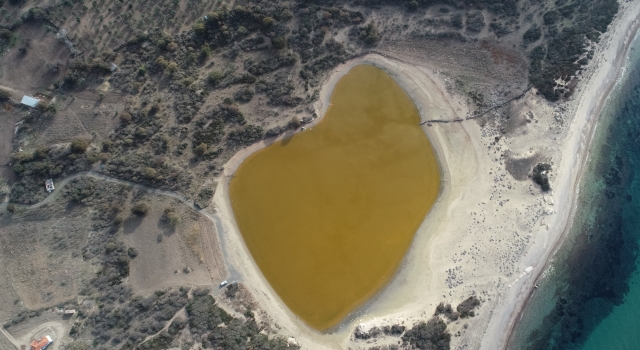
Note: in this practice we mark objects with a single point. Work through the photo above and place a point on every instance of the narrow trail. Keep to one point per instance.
(233, 273)
(10, 338)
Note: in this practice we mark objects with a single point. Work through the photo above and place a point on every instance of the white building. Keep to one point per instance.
(29, 101)
(49, 185)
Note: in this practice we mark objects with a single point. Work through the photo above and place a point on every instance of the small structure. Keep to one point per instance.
(29, 101)
(42, 343)
(49, 185)
(65, 312)
(113, 67)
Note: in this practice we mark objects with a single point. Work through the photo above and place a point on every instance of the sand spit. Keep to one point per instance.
(488, 234)
(601, 77)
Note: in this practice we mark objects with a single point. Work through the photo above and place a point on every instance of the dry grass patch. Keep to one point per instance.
(194, 241)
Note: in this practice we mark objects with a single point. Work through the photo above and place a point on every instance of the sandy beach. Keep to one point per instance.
(486, 228)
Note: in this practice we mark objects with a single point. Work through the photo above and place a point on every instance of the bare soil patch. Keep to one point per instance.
(169, 256)
(44, 60)
(85, 115)
(7, 126)
(40, 251)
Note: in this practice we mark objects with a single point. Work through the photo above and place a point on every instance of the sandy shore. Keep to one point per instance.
(486, 228)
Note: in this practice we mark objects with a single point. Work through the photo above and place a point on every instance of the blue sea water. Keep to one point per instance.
(589, 296)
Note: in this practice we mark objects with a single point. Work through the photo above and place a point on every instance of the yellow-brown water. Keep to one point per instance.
(329, 213)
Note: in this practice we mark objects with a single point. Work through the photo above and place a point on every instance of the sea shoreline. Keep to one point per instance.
(622, 34)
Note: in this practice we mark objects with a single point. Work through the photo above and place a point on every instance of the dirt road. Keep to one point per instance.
(9, 337)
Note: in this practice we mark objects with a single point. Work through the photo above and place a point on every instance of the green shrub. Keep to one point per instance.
(242, 31)
(140, 209)
(79, 146)
(532, 35)
(132, 252)
(466, 307)
(215, 77)
(150, 172)
(278, 42)
(171, 217)
(369, 34)
(4, 95)
(268, 21)
(540, 175)
(200, 149)
(204, 198)
(432, 335)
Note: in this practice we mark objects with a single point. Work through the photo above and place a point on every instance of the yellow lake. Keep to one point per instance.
(329, 213)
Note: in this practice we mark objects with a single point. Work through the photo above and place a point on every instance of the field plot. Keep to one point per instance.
(83, 115)
(170, 255)
(36, 61)
(41, 253)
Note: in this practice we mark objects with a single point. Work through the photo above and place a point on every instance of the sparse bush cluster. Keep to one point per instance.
(210, 130)
(269, 65)
(315, 23)
(149, 170)
(280, 91)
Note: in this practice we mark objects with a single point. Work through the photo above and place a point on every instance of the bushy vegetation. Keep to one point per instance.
(475, 22)
(171, 217)
(540, 175)
(465, 308)
(4, 95)
(43, 163)
(369, 34)
(79, 146)
(204, 197)
(447, 311)
(432, 335)
(140, 209)
(205, 318)
(563, 51)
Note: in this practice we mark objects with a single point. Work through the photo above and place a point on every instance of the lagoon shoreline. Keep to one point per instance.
(240, 256)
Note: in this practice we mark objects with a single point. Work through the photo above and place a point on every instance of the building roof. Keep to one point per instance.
(41, 344)
(29, 101)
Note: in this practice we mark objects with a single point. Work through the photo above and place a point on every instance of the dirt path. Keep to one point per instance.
(9, 337)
